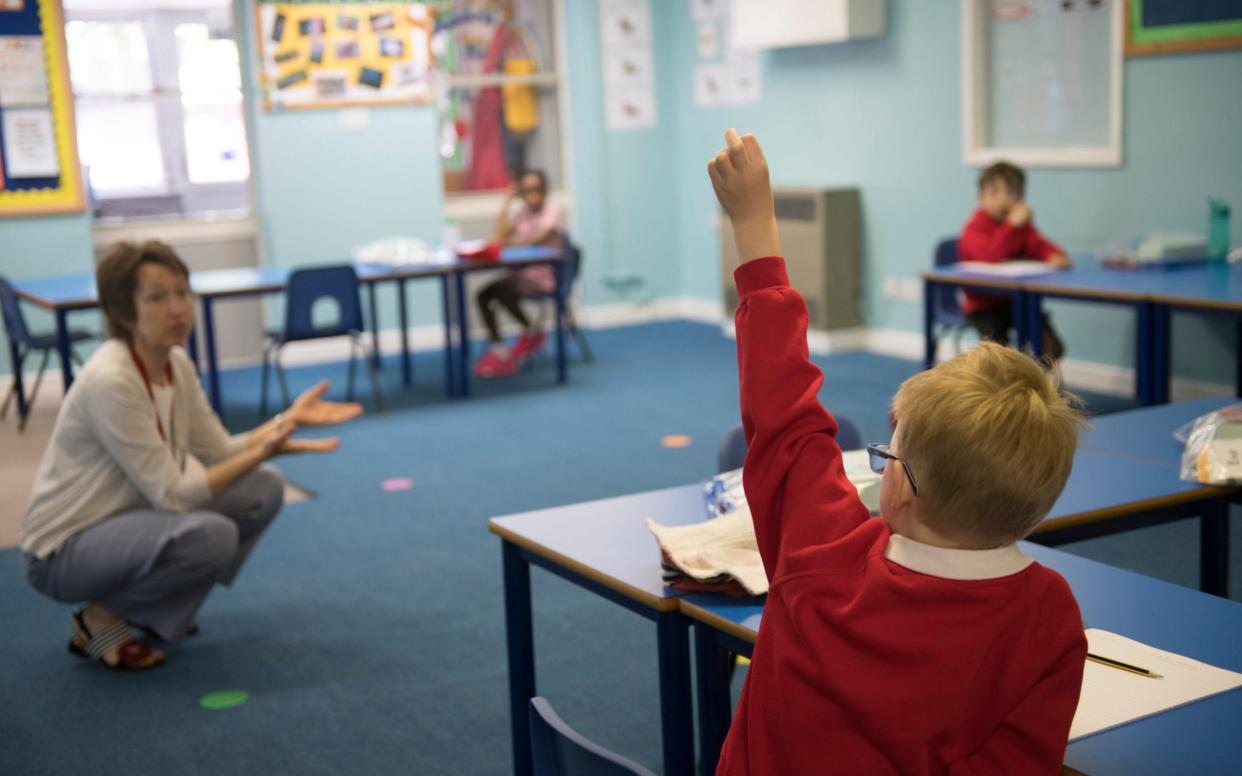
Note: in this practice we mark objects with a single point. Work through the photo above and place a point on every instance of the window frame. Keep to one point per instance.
(159, 26)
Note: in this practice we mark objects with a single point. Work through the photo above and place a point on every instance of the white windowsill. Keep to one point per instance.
(180, 231)
(474, 207)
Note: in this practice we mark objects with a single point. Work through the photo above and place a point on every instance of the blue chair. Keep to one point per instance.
(732, 453)
(559, 750)
(573, 264)
(946, 308)
(21, 344)
(307, 287)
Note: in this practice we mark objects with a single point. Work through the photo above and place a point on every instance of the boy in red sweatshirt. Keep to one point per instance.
(925, 641)
(1003, 228)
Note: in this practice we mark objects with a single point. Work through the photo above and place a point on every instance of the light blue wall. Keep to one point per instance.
(627, 208)
(322, 191)
(884, 114)
(50, 245)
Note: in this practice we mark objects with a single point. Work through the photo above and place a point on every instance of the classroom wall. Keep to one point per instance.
(884, 114)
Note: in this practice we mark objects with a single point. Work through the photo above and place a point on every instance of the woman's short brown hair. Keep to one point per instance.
(116, 280)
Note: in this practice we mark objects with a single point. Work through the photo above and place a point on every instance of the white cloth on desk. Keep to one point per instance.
(725, 545)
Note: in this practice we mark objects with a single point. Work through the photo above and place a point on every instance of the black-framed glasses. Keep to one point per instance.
(880, 455)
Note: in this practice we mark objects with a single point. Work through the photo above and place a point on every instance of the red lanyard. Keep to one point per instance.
(142, 370)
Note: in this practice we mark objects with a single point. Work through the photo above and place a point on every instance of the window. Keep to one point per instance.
(500, 110)
(161, 127)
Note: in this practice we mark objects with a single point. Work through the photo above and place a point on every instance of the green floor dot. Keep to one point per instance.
(224, 699)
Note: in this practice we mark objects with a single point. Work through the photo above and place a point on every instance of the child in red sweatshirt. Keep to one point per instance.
(1003, 228)
(925, 641)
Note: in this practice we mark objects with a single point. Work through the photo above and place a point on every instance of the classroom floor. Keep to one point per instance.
(368, 628)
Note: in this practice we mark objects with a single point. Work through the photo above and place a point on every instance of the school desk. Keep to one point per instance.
(62, 295)
(604, 546)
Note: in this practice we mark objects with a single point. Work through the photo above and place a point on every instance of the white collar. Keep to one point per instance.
(953, 563)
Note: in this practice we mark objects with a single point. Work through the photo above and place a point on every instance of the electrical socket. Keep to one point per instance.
(903, 289)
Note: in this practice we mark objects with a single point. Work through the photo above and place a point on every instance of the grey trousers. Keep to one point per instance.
(156, 568)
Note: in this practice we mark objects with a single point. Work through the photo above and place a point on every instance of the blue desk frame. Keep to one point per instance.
(601, 547)
(1153, 292)
(65, 294)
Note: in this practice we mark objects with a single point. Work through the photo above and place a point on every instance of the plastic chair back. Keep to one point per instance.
(559, 750)
(945, 306)
(14, 321)
(309, 285)
(732, 452)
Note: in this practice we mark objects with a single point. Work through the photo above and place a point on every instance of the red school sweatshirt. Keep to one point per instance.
(991, 241)
(879, 654)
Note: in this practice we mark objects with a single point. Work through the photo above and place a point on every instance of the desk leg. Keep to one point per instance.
(463, 331)
(375, 346)
(213, 365)
(1214, 548)
(407, 370)
(62, 345)
(676, 721)
(711, 665)
(561, 367)
(929, 324)
(1144, 361)
(1028, 309)
(450, 370)
(1162, 336)
(520, 634)
(1237, 363)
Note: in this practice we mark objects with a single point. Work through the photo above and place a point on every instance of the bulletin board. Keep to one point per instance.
(333, 55)
(39, 172)
(1042, 82)
(1177, 26)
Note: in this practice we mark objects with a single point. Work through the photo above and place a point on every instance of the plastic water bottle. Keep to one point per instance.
(1218, 229)
(450, 234)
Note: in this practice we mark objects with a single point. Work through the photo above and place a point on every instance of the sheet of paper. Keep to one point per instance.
(23, 71)
(1112, 697)
(1011, 269)
(30, 144)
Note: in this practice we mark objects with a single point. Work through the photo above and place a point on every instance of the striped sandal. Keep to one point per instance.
(133, 655)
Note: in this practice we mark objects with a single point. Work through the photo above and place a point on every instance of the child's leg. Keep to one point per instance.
(993, 323)
(1053, 347)
(495, 292)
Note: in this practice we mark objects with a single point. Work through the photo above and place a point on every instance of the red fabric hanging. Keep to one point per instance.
(488, 169)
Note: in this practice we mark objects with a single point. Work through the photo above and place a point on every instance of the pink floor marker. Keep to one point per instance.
(397, 483)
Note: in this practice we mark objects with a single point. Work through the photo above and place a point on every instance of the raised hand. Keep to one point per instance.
(310, 409)
(1019, 215)
(739, 174)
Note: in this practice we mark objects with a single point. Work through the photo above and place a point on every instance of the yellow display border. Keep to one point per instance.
(67, 197)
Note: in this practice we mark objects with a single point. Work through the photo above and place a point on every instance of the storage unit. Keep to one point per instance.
(821, 235)
(767, 24)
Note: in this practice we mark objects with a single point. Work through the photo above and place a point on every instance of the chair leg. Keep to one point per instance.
(375, 389)
(4, 408)
(267, 353)
(34, 392)
(353, 366)
(578, 336)
(280, 377)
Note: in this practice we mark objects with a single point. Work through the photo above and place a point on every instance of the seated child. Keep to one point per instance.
(537, 222)
(1003, 228)
(924, 641)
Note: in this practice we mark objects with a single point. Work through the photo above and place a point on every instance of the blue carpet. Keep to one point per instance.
(369, 626)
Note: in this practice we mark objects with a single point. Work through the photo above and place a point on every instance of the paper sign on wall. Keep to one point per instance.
(629, 64)
(30, 144)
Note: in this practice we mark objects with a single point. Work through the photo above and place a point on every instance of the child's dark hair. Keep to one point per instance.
(1010, 173)
(541, 175)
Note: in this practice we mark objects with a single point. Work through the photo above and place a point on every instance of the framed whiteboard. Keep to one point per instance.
(1041, 82)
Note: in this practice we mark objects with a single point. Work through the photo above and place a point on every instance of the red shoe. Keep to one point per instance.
(528, 344)
(495, 365)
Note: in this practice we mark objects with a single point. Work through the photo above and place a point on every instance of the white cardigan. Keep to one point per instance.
(106, 455)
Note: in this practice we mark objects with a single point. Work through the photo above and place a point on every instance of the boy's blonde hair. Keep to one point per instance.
(991, 438)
